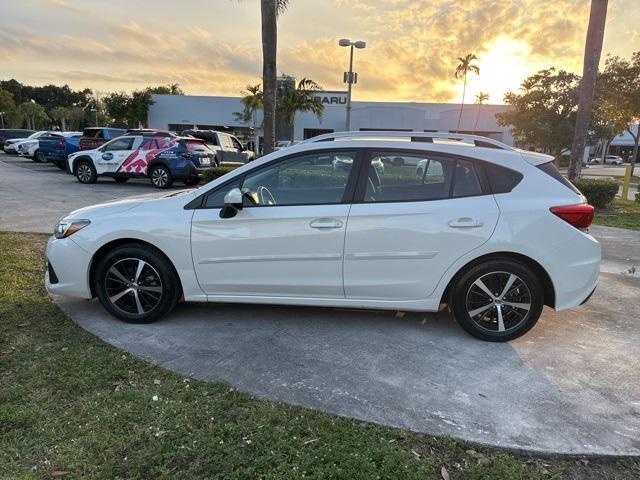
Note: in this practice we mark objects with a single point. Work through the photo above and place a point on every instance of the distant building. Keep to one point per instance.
(180, 112)
(623, 144)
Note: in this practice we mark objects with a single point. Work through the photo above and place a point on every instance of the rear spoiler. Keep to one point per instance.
(535, 158)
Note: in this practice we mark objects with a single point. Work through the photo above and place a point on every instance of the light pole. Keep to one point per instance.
(350, 77)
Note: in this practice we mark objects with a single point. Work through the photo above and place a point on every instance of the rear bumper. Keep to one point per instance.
(191, 171)
(55, 157)
(573, 267)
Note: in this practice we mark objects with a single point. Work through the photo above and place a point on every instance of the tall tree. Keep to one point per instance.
(7, 106)
(592, 52)
(543, 113)
(35, 114)
(61, 115)
(269, 12)
(465, 67)
(299, 99)
(251, 102)
(480, 99)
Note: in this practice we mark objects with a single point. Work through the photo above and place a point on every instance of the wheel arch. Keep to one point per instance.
(538, 270)
(107, 247)
(77, 160)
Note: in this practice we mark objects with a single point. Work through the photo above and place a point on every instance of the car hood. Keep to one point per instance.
(124, 204)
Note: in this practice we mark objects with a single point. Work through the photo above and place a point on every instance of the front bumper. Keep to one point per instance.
(68, 268)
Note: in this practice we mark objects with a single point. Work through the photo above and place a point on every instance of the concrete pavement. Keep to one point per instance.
(571, 385)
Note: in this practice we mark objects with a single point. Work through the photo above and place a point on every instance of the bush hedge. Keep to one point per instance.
(212, 174)
(599, 193)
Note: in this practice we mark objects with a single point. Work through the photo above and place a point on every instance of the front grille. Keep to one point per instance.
(53, 278)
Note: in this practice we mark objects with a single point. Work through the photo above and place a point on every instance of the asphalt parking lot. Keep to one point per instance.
(571, 385)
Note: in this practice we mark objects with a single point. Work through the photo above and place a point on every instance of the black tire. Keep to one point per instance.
(160, 177)
(85, 172)
(191, 182)
(120, 179)
(38, 157)
(61, 165)
(501, 317)
(156, 290)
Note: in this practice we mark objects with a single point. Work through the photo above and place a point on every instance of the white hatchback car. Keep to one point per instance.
(494, 232)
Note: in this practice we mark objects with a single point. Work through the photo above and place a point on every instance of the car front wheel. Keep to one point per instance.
(136, 284)
(38, 157)
(86, 172)
(497, 300)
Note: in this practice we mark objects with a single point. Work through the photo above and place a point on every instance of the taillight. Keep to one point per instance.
(61, 144)
(579, 216)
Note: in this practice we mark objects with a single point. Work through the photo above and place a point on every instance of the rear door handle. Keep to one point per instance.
(325, 223)
(465, 222)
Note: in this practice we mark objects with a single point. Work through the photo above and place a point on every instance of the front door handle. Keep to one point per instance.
(325, 223)
(465, 222)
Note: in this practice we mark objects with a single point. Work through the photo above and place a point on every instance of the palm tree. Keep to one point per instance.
(60, 114)
(464, 67)
(299, 99)
(592, 52)
(269, 12)
(481, 97)
(251, 103)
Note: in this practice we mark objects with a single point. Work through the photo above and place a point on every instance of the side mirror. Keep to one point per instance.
(232, 203)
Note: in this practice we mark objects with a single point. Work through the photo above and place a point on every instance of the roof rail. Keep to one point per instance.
(415, 136)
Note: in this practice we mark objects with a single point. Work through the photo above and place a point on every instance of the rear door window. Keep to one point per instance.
(409, 177)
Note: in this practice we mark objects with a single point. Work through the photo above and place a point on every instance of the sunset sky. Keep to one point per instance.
(212, 47)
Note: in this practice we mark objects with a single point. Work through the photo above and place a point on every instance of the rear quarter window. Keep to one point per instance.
(550, 169)
(501, 179)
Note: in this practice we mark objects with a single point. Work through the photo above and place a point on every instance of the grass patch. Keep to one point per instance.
(72, 406)
(621, 214)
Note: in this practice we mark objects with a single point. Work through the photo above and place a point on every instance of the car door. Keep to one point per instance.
(411, 224)
(287, 240)
(229, 151)
(113, 153)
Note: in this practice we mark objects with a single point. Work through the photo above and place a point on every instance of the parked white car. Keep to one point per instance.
(280, 144)
(497, 236)
(12, 145)
(613, 160)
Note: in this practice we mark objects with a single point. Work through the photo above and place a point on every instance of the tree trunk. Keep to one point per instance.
(636, 139)
(475, 125)
(269, 52)
(592, 52)
(464, 88)
(64, 125)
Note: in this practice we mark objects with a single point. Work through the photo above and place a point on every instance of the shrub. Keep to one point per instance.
(212, 174)
(599, 193)
(638, 195)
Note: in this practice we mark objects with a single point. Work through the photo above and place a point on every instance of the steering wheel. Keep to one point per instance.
(265, 196)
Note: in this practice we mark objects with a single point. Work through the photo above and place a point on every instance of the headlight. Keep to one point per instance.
(66, 228)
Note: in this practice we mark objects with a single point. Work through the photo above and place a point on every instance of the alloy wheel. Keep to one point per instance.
(84, 173)
(159, 177)
(133, 286)
(498, 302)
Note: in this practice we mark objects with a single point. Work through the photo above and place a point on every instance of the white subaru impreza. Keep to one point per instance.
(494, 232)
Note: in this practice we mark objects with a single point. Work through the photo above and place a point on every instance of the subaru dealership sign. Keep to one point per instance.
(332, 99)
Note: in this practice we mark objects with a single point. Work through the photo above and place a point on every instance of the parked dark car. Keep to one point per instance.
(93, 137)
(56, 149)
(13, 133)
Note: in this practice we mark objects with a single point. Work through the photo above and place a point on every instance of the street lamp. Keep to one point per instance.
(350, 77)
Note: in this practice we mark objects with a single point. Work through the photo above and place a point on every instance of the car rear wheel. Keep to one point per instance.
(62, 165)
(38, 157)
(191, 182)
(136, 284)
(497, 300)
(86, 172)
(161, 177)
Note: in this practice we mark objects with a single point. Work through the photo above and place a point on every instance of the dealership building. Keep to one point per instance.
(181, 112)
